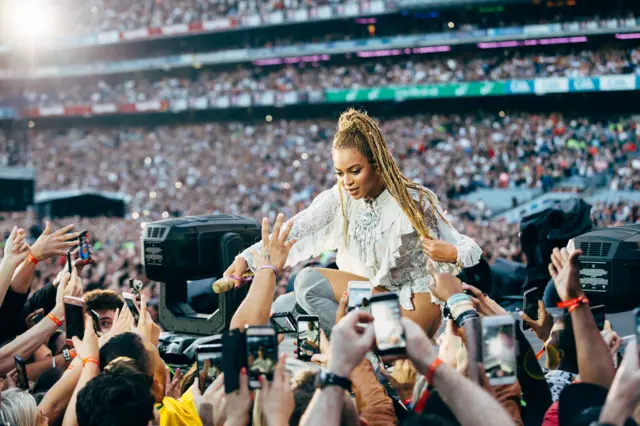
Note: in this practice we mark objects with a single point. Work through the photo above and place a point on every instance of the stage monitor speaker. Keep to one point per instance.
(176, 251)
(610, 266)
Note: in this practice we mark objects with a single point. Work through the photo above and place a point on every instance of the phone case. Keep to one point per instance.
(233, 359)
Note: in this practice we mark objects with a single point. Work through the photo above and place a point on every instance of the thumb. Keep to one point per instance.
(244, 380)
(47, 228)
(14, 231)
(541, 309)
(526, 318)
(573, 257)
(195, 387)
(77, 343)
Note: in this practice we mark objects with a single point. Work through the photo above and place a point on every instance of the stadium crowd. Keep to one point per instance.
(116, 375)
(310, 78)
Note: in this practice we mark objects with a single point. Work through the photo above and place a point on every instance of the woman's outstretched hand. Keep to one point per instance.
(275, 247)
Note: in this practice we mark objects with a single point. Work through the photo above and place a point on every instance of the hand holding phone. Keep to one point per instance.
(209, 361)
(530, 306)
(84, 251)
(21, 369)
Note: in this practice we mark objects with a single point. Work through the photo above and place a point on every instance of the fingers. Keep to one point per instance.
(71, 236)
(556, 259)
(474, 291)
(290, 244)
(630, 361)
(76, 342)
(542, 310)
(47, 229)
(526, 318)
(265, 232)
(358, 316)
(573, 257)
(278, 372)
(244, 381)
(65, 279)
(553, 271)
(143, 306)
(278, 226)
(342, 307)
(284, 234)
(12, 236)
(61, 231)
(88, 325)
(321, 359)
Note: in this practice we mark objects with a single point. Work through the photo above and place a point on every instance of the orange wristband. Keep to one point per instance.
(54, 319)
(72, 352)
(33, 259)
(573, 304)
(432, 369)
(90, 359)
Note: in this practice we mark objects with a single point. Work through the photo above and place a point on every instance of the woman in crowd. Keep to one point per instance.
(384, 227)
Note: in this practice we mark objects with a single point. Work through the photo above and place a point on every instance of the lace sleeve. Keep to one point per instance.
(469, 252)
(315, 229)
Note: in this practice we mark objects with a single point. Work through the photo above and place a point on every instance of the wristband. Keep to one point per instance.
(466, 315)
(432, 369)
(573, 304)
(90, 359)
(458, 297)
(273, 268)
(33, 259)
(54, 319)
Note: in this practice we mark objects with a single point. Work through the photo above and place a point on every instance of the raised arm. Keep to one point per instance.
(316, 229)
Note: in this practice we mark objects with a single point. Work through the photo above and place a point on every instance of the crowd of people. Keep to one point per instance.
(115, 375)
(311, 78)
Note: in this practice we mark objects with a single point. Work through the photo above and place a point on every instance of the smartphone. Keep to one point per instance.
(69, 264)
(283, 322)
(473, 332)
(530, 300)
(36, 318)
(130, 300)
(209, 360)
(74, 317)
(21, 368)
(308, 336)
(96, 321)
(85, 246)
(262, 353)
(600, 315)
(499, 349)
(387, 327)
(233, 359)
(359, 294)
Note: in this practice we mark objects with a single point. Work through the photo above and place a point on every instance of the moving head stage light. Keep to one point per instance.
(175, 251)
(610, 266)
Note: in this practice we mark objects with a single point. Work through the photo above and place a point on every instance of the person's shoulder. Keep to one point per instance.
(180, 411)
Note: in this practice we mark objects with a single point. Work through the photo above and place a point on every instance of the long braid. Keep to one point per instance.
(358, 130)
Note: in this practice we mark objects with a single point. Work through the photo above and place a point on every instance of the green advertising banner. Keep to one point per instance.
(401, 93)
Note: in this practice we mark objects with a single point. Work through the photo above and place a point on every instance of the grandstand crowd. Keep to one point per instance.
(311, 78)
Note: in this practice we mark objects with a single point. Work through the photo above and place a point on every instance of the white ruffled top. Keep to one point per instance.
(381, 243)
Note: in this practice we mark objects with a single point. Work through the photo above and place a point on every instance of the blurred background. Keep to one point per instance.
(116, 113)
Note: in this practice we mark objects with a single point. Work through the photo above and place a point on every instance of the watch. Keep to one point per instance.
(324, 379)
(66, 355)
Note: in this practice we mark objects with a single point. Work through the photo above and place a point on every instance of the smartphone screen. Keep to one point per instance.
(131, 304)
(233, 359)
(74, 317)
(85, 246)
(530, 305)
(308, 337)
(209, 360)
(600, 315)
(21, 368)
(499, 349)
(262, 354)
(387, 327)
(359, 294)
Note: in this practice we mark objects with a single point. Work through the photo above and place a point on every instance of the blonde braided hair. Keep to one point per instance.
(358, 130)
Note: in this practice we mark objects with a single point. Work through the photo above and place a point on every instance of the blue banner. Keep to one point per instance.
(520, 87)
(586, 84)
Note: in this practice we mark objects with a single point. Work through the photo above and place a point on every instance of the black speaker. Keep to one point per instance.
(176, 251)
(610, 266)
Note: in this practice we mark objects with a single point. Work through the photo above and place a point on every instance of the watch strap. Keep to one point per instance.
(330, 379)
(66, 355)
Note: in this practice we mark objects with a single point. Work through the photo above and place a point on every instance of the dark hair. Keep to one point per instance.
(128, 345)
(303, 389)
(102, 300)
(46, 380)
(109, 399)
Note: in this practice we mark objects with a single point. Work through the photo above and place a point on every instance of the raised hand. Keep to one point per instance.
(543, 325)
(275, 247)
(277, 396)
(53, 244)
(446, 285)
(565, 273)
(88, 347)
(239, 402)
(172, 386)
(16, 248)
(349, 343)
